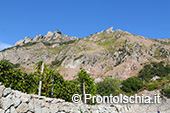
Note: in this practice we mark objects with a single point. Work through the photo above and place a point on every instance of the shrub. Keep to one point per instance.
(153, 85)
(108, 86)
(16, 65)
(154, 69)
(68, 42)
(57, 62)
(78, 57)
(167, 92)
(48, 44)
(29, 44)
(132, 85)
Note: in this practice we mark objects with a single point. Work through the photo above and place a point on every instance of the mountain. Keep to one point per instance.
(108, 53)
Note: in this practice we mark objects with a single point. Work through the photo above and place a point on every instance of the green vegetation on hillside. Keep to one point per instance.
(132, 85)
(29, 83)
(16, 79)
(108, 86)
(54, 85)
(68, 42)
(154, 69)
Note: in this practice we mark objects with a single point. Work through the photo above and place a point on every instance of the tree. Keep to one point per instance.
(84, 77)
(61, 88)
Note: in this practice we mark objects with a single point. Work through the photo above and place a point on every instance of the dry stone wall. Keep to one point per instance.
(12, 101)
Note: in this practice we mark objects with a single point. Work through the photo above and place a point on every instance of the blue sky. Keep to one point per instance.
(20, 18)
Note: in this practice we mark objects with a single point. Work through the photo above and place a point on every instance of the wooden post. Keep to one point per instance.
(40, 83)
(52, 89)
(84, 91)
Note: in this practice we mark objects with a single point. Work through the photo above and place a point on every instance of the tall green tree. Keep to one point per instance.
(84, 77)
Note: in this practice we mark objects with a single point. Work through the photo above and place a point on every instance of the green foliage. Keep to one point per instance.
(57, 62)
(28, 44)
(5, 65)
(69, 90)
(68, 42)
(48, 44)
(108, 86)
(78, 57)
(153, 85)
(154, 69)
(167, 91)
(16, 79)
(162, 52)
(38, 66)
(61, 88)
(16, 65)
(59, 32)
(83, 76)
(90, 87)
(132, 85)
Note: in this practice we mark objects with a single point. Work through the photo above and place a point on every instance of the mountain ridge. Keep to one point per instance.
(108, 53)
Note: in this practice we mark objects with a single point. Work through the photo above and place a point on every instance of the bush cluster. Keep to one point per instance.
(132, 85)
(53, 84)
(154, 69)
(108, 86)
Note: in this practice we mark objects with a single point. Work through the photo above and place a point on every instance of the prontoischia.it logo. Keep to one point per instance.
(76, 98)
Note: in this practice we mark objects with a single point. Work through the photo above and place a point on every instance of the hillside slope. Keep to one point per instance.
(109, 53)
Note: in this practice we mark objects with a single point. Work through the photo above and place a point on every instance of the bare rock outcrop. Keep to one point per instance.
(50, 37)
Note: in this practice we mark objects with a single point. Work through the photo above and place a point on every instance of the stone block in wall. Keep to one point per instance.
(13, 110)
(37, 105)
(6, 103)
(22, 108)
(45, 110)
(2, 111)
(7, 91)
(16, 101)
(2, 87)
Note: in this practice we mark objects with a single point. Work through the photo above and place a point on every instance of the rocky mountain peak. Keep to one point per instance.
(49, 34)
(110, 30)
(27, 39)
(50, 37)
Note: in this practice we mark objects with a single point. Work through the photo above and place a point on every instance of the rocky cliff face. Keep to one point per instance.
(109, 53)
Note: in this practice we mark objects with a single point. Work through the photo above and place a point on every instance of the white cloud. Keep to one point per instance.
(4, 46)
